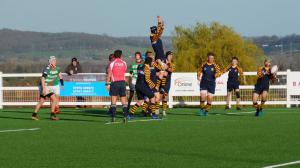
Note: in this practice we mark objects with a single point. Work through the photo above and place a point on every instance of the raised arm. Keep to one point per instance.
(160, 29)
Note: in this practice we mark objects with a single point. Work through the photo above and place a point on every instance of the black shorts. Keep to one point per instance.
(118, 89)
(232, 86)
(143, 92)
(45, 96)
(260, 88)
(209, 86)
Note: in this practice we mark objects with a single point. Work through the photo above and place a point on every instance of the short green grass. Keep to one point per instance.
(82, 139)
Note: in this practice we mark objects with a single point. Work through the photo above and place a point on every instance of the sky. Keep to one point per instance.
(134, 17)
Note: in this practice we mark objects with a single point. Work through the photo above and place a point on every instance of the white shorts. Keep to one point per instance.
(50, 90)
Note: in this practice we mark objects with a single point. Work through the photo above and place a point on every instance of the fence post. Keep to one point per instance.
(170, 101)
(288, 89)
(1, 91)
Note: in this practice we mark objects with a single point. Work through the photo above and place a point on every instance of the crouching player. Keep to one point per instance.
(49, 87)
(145, 87)
(233, 84)
(117, 87)
(261, 88)
(207, 74)
(166, 87)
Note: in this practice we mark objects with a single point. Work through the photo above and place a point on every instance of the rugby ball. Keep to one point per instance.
(274, 69)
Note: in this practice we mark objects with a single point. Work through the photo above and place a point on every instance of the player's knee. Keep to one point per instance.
(238, 94)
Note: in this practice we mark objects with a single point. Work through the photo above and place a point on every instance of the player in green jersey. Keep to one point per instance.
(133, 75)
(49, 87)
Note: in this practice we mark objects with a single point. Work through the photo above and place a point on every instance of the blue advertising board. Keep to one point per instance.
(84, 89)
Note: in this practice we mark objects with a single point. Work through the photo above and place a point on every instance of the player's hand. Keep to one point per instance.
(107, 87)
(62, 87)
(71, 72)
(158, 18)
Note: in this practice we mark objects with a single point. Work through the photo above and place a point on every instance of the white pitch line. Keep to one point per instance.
(20, 130)
(133, 121)
(248, 112)
(283, 164)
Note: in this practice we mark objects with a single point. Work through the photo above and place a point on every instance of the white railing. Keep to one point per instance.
(28, 95)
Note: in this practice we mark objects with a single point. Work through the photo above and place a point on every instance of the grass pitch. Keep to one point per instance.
(85, 138)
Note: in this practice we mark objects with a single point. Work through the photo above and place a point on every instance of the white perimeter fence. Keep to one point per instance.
(284, 93)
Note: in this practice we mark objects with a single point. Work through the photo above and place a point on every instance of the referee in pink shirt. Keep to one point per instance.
(115, 83)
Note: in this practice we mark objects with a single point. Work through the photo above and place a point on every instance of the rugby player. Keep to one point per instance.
(261, 88)
(166, 87)
(145, 87)
(207, 74)
(133, 75)
(233, 83)
(49, 87)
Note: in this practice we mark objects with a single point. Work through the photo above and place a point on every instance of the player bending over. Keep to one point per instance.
(117, 86)
(207, 74)
(145, 87)
(264, 76)
(233, 83)
(49, 87)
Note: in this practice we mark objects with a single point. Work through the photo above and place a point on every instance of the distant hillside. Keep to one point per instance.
(91, 49)
(27, 51)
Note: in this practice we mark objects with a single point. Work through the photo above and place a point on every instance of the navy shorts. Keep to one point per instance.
(209, 86)
(118, 89)
(143, 92)
(260, 88)
(168, 85)
(232, 86)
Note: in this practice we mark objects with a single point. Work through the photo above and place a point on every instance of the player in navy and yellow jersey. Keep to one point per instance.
(233, 83)
(264, 77)
(160, 57)
(166, 87)
(207, 74)
(145, 87)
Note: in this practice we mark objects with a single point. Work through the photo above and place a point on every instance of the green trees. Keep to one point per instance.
(192, 44)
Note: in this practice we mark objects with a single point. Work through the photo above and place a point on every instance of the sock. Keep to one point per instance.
(144, 107)
(202, 104)
(113, 110)
(52, 114)
(158, 83)
(34, 114)
(157, 105)
(262, 105)
(152, 108)
(163, 81)
(125, 110)
(255, 105)
(134, 108)
(164, 105)
(207, 107)
(109, 110)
